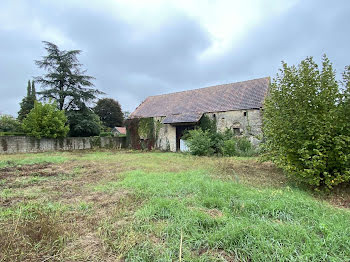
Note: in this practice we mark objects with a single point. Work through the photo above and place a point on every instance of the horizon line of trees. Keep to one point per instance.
(67, 97)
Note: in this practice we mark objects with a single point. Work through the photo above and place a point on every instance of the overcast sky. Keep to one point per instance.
(140, 48)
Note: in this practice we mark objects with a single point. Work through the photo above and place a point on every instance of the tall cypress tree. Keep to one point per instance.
(28, 89)
(33, 90)
(27, 103)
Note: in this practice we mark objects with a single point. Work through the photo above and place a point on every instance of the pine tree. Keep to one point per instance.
(65, 81)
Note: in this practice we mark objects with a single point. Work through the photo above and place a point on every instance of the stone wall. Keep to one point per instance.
(166, 136)
(249, 121)
(246, 122)
(23, 144)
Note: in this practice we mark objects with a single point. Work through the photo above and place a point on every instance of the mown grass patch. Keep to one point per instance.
(246, 223)
(135, 206)
(30, 159)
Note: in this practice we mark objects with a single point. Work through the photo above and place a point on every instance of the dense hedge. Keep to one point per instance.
(307, 123)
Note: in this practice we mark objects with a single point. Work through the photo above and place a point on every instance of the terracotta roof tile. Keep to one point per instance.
(235, 96)
(121, 130)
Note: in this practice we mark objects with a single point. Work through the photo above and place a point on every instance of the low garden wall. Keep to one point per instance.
(24, 144)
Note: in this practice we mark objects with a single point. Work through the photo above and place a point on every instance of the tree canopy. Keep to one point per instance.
(65, 81)
(9, 124)
(83, 123)
(110, 112)
(27, 103)
(45, 120)
(306, 123)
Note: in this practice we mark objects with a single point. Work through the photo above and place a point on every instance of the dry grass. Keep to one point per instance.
(250, 171)
(37, 237)
(69, 206)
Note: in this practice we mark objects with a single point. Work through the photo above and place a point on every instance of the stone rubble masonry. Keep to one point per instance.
(23, 144)
(249, 123)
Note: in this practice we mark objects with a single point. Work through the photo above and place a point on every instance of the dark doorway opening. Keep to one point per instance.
(180, 131)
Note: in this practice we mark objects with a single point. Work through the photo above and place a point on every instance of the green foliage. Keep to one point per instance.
(12, 134)
(206, 124)
(109, 111)
(146, 128)
(106, 134)
(229, 148)
(65, 81)
(9, 124)
(207, 143)
(306, 123)
(83, 123)
(27, 103)
(45, 120)
(199, 142)
(243, 144)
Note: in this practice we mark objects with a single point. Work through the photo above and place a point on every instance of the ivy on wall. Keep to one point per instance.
(142, 133)
(206, 123)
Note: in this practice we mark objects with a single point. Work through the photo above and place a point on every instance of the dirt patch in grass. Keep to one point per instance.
(41, 170)
(250, 172)
(215, 213)
(339, 197)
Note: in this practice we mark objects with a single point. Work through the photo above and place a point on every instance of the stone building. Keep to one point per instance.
(236, 106)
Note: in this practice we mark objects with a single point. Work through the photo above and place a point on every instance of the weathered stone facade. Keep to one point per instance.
(235, 106)
(244, 122)
(165, 135)
(24, 144)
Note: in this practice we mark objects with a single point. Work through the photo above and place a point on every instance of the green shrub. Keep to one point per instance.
(12, 134)
(229, 148)
(306, 123)
(106, 134)
(45, 120)
(243, 144)
(217, 142)
(206, 143)
(199, 142)
(9, 124)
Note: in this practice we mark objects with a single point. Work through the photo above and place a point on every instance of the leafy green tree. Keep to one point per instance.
(27, 103)
(65, 81)
(305, 124)
(110, 112)
(9, 124)
(83, 123)
(45, 120)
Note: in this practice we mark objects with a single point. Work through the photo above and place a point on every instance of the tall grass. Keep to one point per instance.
(221, 219)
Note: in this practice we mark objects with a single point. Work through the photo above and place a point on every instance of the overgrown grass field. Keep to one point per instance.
(135, 206)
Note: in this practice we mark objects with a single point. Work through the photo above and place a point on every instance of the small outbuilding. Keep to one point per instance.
(160, 121)
(119, 130)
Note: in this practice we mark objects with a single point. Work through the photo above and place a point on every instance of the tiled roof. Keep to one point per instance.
(187, 105)
(121, 130)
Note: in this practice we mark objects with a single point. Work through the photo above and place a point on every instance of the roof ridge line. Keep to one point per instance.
(266, 77)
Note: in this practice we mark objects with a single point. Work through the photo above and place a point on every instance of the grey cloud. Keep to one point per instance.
(131, 61)
(311, 28)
